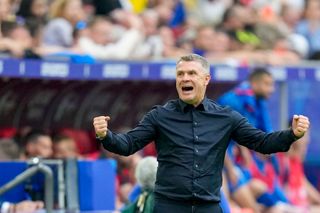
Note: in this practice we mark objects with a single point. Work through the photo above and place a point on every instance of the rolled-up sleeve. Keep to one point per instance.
(134, 140)
(247, 135)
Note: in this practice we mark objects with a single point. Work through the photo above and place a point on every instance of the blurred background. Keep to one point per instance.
(62, 62)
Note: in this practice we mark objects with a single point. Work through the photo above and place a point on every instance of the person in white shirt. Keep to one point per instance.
(100, 41)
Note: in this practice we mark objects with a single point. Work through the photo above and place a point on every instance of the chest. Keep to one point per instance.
(195, 127)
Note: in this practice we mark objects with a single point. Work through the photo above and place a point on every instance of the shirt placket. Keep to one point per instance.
(196, 165)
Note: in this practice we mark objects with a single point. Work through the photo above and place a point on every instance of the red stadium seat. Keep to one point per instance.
(8, 132)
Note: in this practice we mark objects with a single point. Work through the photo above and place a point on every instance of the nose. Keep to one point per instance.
(185, 77)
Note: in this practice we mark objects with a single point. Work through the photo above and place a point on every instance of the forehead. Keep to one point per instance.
(266, 78)
(189, 65)
(44, 139)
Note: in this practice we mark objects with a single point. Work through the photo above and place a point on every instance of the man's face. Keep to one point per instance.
(65, 149)
(205, 39)
(191, 82)
(4, 9)
(101, 32)
(39, 8)
(42, 147)
(263, 87)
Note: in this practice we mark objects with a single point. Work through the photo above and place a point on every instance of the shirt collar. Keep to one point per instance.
(203, 106)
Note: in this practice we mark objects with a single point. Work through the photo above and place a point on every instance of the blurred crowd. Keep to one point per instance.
(228, 31)
(26, 143)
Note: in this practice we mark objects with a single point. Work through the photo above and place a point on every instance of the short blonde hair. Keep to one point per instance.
(57, 8)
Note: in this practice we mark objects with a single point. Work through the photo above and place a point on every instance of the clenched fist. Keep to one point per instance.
(100, 124)
(300, 124)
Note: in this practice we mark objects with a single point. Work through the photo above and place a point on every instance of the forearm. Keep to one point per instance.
(117, 143)
(279, 141)
(129, 143)
(132, 141)
(255, 139)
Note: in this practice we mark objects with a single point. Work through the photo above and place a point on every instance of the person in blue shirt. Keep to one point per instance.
(250, 100)
(191, 136)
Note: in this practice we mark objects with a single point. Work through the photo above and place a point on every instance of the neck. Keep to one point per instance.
(196, 103)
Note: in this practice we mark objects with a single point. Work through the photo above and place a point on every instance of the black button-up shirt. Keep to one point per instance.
(191, 144)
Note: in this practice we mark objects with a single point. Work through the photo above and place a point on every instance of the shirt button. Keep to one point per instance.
(194, 194)
(195, 123)
(197, 138)
(196, 165)
(196, 150)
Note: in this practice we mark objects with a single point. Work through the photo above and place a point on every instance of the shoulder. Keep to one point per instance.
(225, 110)
(217, 107)
(171, 105)
(84, 41)
(59, 23)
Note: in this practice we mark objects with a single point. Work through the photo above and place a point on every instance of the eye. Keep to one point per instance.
(192, 72)
(179, 74)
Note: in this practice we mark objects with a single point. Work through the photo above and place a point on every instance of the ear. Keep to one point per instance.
(29, 148)
(207, 79)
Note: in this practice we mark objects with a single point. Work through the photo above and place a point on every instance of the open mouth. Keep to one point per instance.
(187, 88)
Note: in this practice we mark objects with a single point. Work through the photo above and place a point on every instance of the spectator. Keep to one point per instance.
(38, 144)
(33, 10)
(237, 22)
(169, 46)
(9, 150)
(101, 45)
(204, 40)
(152, 45)
(5, 11)
(208, 12)
(145, 173)
(64, 147)
(64, 14)
(17, 40)
(290, 17)
(309, 26)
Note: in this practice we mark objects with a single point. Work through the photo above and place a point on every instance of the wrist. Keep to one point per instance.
(295, 136)
(12, 208)
(101, 136)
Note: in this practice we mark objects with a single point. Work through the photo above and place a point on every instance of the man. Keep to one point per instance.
(38, 144)
(9, 150)
(64, 147)
(100, 42)
(191, 135)
(249, 98)
(143, 199)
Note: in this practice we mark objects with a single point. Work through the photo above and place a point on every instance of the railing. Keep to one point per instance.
(38, 167)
